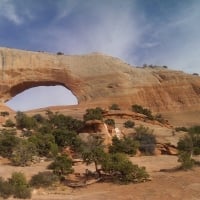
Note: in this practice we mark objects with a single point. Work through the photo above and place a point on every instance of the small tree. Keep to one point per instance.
(92, 114)
(126, 145)
(93, 151)
(62, 165)
(121, 169)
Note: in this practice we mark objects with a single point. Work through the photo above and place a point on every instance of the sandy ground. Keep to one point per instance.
(183, 185)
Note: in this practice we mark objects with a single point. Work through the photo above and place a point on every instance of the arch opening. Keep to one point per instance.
(41, 97)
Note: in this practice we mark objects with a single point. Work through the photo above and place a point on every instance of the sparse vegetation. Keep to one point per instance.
(110, 122)
(141, 110)
(129, 124)
(93, 113)
(9, 123)
(188, 146)
(146, 139)
(181, 129)
(114, 107)
(4, 113)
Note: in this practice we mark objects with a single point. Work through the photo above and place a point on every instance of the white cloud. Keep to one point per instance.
(178, 40)
(108, 28)
(18, 12)
(8, 11)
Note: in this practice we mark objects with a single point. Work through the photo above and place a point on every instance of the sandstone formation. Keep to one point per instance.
(97, 79)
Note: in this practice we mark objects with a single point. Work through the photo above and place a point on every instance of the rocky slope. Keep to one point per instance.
(97, 79)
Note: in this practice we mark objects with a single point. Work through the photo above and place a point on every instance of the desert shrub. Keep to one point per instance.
(9, 123)
(24, 121)
(8, 142)
(45, 144)
(141, 110)
(181, 129)
(4, 113)
(60, 121)
(110, 122)
(62, 165)
(6, 188)
(125, 145)
(114, 107)
(185, 144)
(60, 53)
(159, 118)
(93, 113)
(146, 139)
(185, 159)
(65, 138)
(20, 186)
(43, 179)
(23, 153)
(129, 124)
(122, 170)
(39, 118)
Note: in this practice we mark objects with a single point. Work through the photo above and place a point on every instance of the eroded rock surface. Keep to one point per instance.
(98, 79)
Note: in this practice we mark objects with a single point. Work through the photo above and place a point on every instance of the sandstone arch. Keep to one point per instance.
(98, 79)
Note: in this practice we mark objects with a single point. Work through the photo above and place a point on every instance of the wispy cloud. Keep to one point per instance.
(178, 38)
(110, 27)
(8, 11)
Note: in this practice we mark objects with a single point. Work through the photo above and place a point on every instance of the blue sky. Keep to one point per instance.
(162, 32)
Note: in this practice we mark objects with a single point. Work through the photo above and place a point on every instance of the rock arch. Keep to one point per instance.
(98, 79)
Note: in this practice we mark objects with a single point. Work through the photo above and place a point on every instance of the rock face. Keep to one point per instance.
(98, 79)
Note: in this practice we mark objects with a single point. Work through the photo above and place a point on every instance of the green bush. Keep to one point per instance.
(122, 170)
(62, 165)
(8, 142)
(4, 113)
(9, 123)
(110, 122)
(23, 153)
(6, 189)
(24, 121)
(65, 138)
(129, 124)
(185, 159)
(43, 179)
(45, 144)
(92, 114)
(146, 139)
(20, 186)
(126, 145)
(114, 107)
(159, 118)
(141, 110)
(181, 129)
